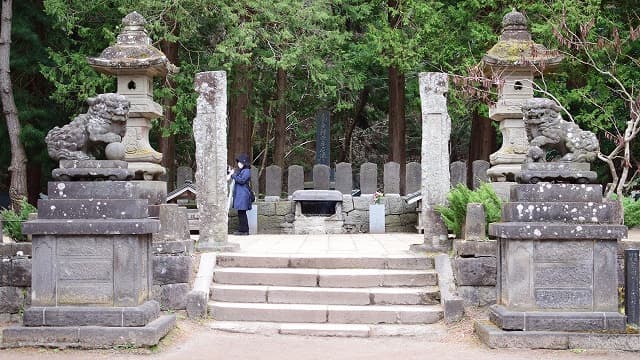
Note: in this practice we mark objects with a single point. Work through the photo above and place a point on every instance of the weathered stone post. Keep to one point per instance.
(210, 134)
(436, 131)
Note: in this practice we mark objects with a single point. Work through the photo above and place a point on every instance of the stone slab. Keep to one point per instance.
(258, 276)
(11, 299)
(91, 316)
(268, 312)
(339, 330)
(90, 227)
(559, 231)
(239, 293)
(11, 249)
(183, 247)
(477, 271)
(169, 269)
(475, 248)
(92, 209)
(174, 296)
(556, 192)
(477, 295)
(154, 191)
(321, 296)
(89, 337)
(556, 321)
(15, 271)
(359, 278)
(387, 314)
(198, 297)
(452, 304)
(112, 174)
(98, 164)
(495, 337)
(566, 212)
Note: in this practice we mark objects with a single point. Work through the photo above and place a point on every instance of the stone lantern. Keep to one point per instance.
(515, 60)
(135, 62)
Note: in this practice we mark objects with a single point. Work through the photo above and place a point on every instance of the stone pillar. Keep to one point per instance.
(436, 131)
(210, 134)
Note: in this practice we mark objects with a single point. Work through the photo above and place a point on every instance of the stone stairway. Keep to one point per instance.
(329, 295)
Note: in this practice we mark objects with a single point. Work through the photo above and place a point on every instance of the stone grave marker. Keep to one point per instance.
(273, 181)
(295, 179)
(321, 177)
(391, 178)
(414, 174)
(368, 178)
(458, 171)
(323, 137)
(344, 178)
(184, 174)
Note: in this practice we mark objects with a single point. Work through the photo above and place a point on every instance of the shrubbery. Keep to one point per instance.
(631, 212)
(455, 212)
(12, 221)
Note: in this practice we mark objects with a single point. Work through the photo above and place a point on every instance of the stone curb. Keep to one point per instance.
(494, 338)
(452, 304)
(198, 297)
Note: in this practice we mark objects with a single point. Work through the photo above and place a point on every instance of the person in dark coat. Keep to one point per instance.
(242, 192)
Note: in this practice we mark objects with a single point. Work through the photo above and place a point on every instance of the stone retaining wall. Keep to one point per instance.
(474, 267)
(278, 216)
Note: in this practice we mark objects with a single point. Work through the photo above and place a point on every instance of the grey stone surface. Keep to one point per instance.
(480, 271)
(476, 248)
(92, 209)
(479, 171)
(15, 271)
(474, 222)
(556, 192)
(413, 177)
(458, 171)
(295, 179)
(565, 172)
(344, 178)
(273, 180)
(11, 249)
(477, 295)
(321, 174)
(391, 178)
(92, 174)
(452, 304)
(255, 180)
(184, 174)
(133, 316)
(198, 297)
(169, 269)
(567, 212)
(555, 321)
(104, 123)
(522, 230)
(317, 195)
(89, 337)
(174, 224)
(91, 227)
(154, 191)
(323, 138)
(11, 299)
(368, 178)
(174, 296)
(210, 134)
(436, 179)
(494, 337)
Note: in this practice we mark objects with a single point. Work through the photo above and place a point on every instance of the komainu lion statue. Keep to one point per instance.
(104, 123)
(547, 132)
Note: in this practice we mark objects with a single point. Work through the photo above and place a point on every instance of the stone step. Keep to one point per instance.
(329, 296)
(566, 212)
(344, 278)
(92, 209)
(433, 332)
(312, 313)
(556, 192)
(400, 262)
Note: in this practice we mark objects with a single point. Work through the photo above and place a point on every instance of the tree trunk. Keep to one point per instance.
(168, 143)
(240, 126)
(18, 168)
(482, 143)
(280, 143)
(397, 124)
(358, 118)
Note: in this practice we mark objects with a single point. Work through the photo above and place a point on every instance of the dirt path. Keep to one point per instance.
(194, 341)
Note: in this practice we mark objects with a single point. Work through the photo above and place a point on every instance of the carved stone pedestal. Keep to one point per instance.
(92, 269)
(557, 260)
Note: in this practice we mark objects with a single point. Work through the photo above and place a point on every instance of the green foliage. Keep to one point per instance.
(455, 212)
(631, 211)
(12, 221)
